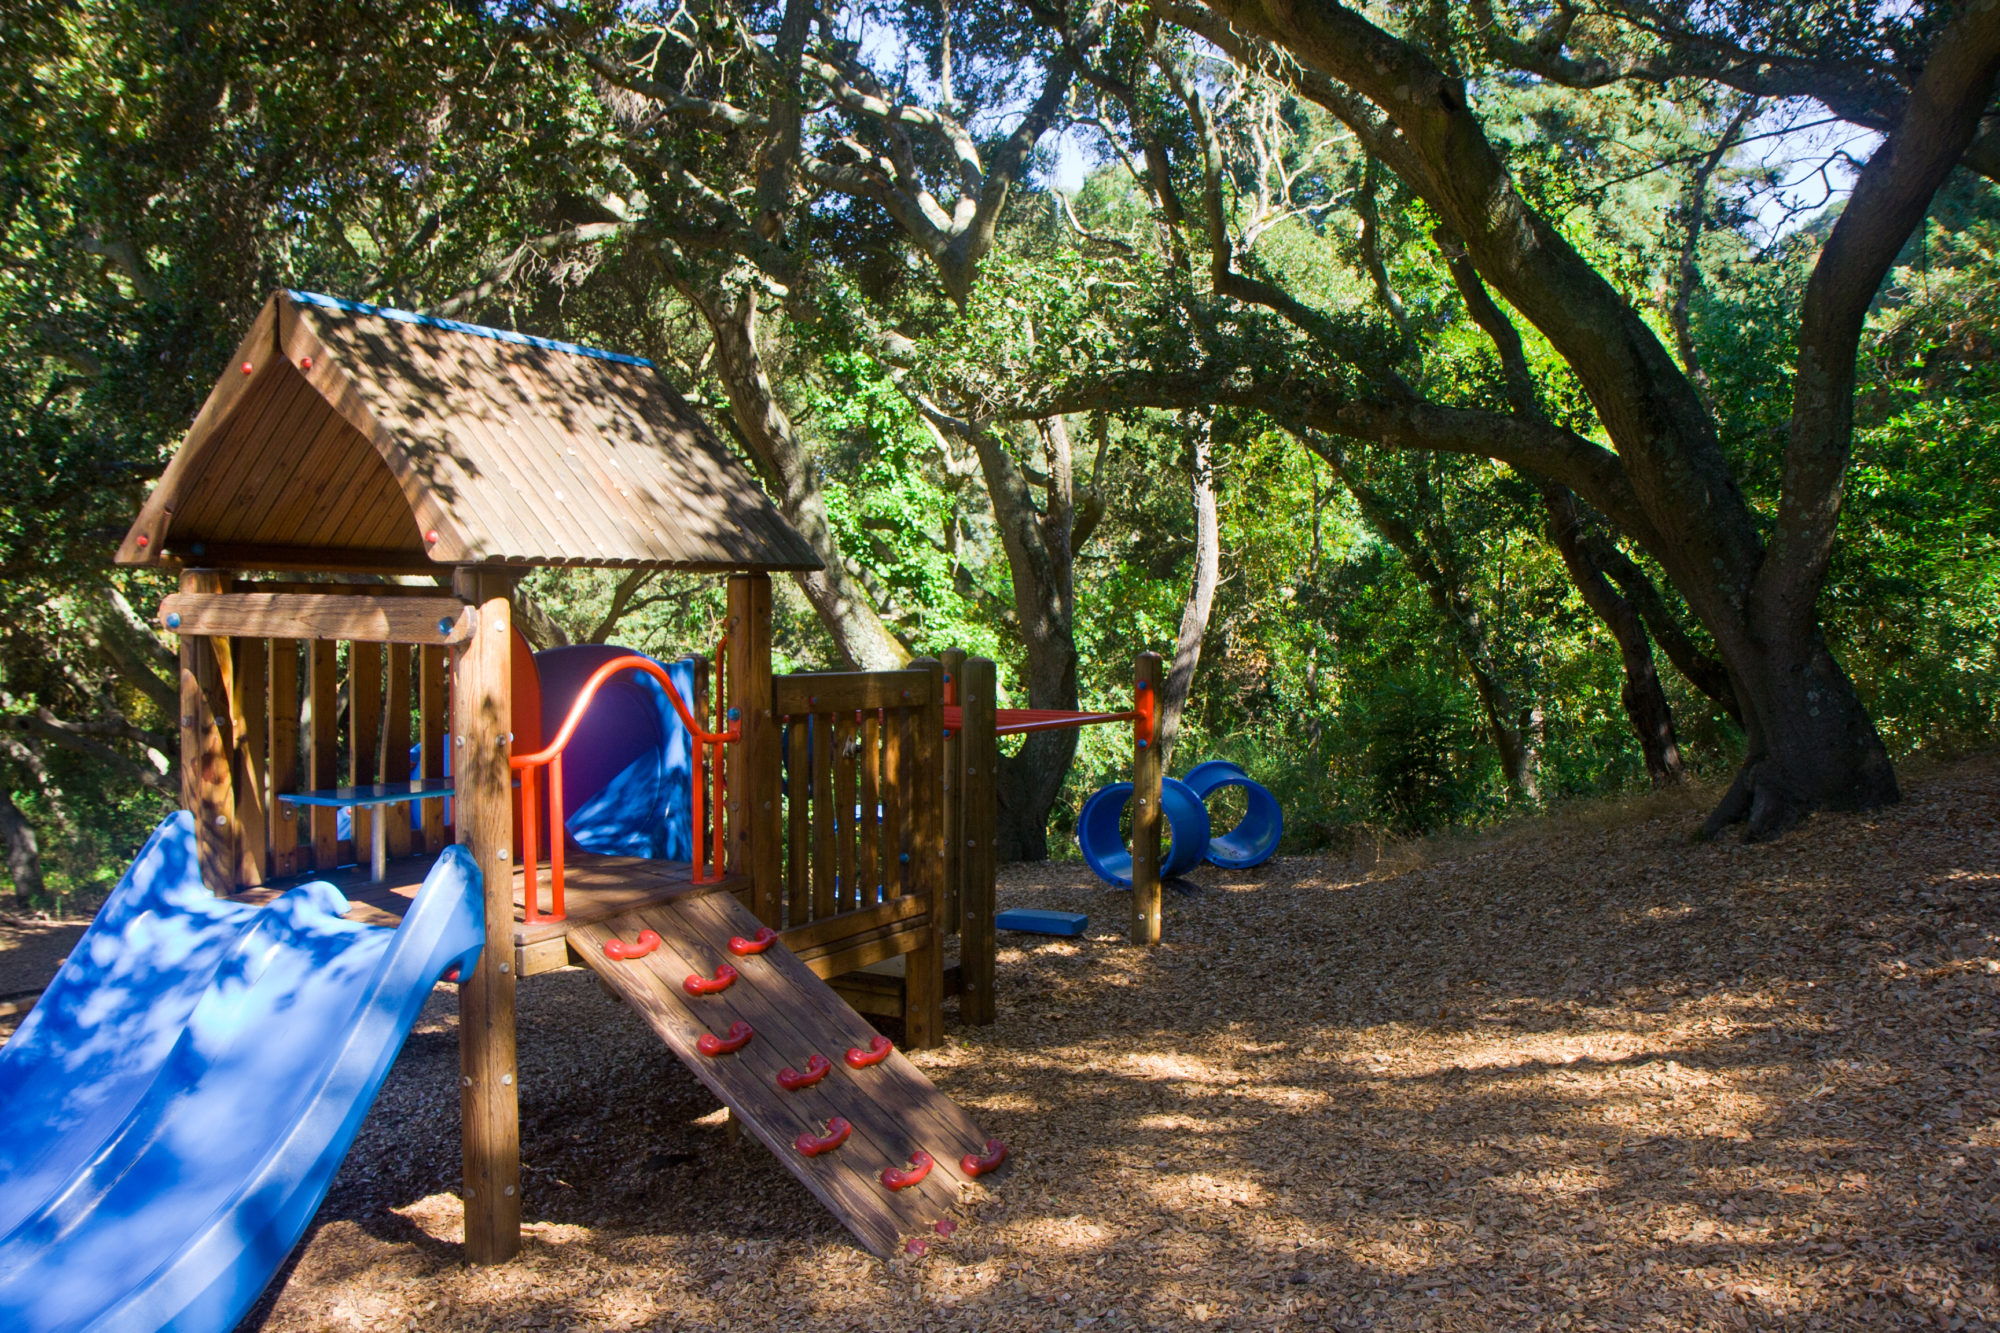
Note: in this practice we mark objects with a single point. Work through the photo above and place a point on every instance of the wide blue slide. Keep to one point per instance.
(179, 1100)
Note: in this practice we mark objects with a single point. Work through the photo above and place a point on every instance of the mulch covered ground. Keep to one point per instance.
(1573, 1077)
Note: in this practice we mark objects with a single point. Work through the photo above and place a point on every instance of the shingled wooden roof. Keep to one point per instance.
(351, 437)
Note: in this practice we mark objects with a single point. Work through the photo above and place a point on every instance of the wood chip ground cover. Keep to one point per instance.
(1571, 1078)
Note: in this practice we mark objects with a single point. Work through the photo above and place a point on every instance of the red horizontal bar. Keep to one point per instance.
(1015, 721)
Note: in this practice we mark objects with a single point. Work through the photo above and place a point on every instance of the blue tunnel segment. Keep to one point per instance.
(1255, 838)
(1103, 842)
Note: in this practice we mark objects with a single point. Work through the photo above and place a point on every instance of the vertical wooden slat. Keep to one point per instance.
(823, 804)
(698, 756)
(979, 755)
(481, 716)
(753, 785)
(895, 803)
(845, 734)
(798, 814)
(323, 747)
(207, 764)
(364, 732)
(953, 660)
(923, 972)
(1146, 775)
(431, 724)
(249, 718)
(868, 871)
(394, 765)
(284, 730)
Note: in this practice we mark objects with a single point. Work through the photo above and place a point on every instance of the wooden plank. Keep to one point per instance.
(283, 656)
(853, 954)
(364, 732)
(394, 763)
(895, 803)
(207, 755)
(365, 618)
(954, 687)
(979, 756)
(541, 956)
(1146, 775)
(481, 706)
(431, 723)
(250, 718)
(823, 862)
(753, 836)
(745, 1081)
(322, 746)
(845, 735)
(817, 934)
(923, 1017)
(868, 870)
(247, 586)
(798, 815)
(891, 1102)
(848, 691)
(924, 1111)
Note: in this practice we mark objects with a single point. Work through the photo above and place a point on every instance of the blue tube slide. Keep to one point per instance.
(1103, 844)
(178, 1101)
(1255, 838)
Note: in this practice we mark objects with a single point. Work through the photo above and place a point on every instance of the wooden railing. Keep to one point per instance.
(277, 713)
(860, 821)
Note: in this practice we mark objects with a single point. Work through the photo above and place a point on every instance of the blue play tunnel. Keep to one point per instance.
(1255, 837)
(1103, 843)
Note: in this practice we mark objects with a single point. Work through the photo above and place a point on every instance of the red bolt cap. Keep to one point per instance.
(247, 367)
(144, 541)
(431, 536)
(305, 363)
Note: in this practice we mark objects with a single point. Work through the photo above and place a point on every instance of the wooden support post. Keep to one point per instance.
(979, 755)
(323, 748)
(953, 660)
(482, 811)
(753, 761)
(395, 762)
(207, 745)
(1146, 775)
(284, 726)
(432, 674)
(249, 718)
(364, 743)
(923, 971)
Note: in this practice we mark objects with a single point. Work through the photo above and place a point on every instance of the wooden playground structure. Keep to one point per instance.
(349, 515)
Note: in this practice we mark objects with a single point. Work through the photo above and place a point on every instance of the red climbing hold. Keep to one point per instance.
(975, 1165)
(648, 941)
(916, 1245)
(945, 1226)
(735, 1039)
(757, 943)
(878, 1051)
(812, 1145)
(791, 1080)
(901, 1178)
(696, 984)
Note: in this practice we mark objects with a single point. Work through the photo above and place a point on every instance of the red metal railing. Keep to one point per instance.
(549, 757)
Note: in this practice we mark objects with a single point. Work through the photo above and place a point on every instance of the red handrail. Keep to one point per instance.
(550, 756)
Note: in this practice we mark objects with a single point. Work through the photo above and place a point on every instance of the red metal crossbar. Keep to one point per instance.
(550, 757)
(1016, 721)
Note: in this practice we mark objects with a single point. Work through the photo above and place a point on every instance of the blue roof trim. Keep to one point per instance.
(454, 326)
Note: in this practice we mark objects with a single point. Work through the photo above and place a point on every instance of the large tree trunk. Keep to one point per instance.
(1201, 592)
(1042, 563)
(1644, 699)
(24, 854)
(1645, 702)
(1811, 742)
(843, 606)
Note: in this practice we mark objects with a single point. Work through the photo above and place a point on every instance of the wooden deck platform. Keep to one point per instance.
(594, 888)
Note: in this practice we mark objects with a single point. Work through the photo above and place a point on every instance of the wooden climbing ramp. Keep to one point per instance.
(792, 1016)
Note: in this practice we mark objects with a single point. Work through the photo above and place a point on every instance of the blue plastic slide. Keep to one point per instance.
(1103, 843)
(178, 1101)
